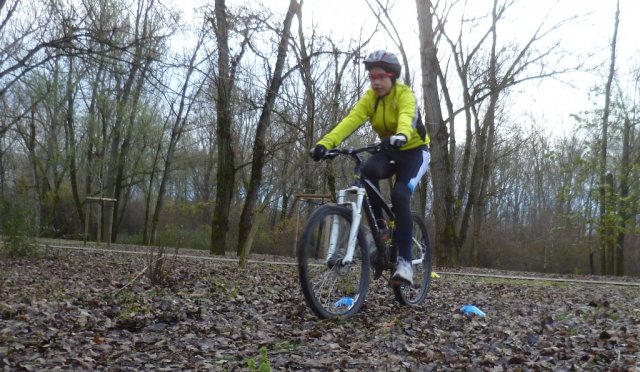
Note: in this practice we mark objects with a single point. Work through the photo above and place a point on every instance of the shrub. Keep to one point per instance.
(160, 266)
(264, 366)
(16, 235)
(177, 236)
(278, 240)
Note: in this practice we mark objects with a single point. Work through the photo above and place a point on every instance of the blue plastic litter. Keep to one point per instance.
(344, 301)
(470, 309)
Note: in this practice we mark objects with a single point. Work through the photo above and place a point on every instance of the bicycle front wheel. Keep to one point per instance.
(415, 294)
(334, 281)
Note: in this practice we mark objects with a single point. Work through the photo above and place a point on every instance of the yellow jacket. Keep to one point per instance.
(395, 113)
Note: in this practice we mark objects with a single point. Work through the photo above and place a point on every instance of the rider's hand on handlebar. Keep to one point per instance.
(318, 152)
(394, 142)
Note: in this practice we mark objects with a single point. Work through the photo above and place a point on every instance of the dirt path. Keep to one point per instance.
(631, 282)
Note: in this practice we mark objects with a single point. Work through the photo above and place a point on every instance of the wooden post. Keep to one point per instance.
(88, 200)
(99, 232)
(295, 236)
(86, 221)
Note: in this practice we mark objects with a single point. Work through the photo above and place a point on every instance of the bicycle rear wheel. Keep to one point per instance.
(332, 286)
(413, 295)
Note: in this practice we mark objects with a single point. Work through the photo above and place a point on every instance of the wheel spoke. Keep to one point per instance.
(421, 251)
(326, 281)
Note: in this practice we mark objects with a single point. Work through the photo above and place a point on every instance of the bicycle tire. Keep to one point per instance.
(327, 281)
(422, 264)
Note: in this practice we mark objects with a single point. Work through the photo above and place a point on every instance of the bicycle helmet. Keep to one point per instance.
(386, 60)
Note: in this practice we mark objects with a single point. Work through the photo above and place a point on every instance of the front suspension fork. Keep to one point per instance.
(356, 217)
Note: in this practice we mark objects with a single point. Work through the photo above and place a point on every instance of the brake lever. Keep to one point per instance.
(330, 155)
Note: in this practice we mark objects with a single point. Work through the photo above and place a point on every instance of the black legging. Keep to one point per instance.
(408, 166)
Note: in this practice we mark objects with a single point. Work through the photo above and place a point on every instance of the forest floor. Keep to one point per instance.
(80, 310)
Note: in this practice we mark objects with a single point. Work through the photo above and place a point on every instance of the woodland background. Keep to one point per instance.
(201, 134)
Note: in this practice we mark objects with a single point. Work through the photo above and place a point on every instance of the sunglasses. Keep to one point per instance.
(380, 76)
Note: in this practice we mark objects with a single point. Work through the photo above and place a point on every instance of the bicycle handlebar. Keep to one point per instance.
(372, 148)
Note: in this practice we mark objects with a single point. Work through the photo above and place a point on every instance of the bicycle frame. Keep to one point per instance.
(362, 199)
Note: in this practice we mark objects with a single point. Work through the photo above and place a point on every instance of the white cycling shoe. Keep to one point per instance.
(404, 272)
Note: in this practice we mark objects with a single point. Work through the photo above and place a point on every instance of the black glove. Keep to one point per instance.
(394, 142)
(318, 152)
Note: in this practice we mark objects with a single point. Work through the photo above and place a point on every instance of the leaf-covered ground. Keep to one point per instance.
(98, 310)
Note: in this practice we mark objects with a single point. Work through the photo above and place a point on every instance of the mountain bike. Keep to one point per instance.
(336, 251)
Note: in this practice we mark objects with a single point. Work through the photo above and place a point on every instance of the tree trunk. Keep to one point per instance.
(624, 206)
(610, 225)
(122, 193)
(178, 128)
(225, 178)
(30, 142)
(258, 158)
(446, 245)
(71, 149)
(603, 149)
(147, 236)
(486, 152)
(176, 132)
(116, 158)
(92, 147)
(309, 102)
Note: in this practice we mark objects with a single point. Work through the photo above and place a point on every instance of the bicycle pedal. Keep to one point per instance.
(395, 281)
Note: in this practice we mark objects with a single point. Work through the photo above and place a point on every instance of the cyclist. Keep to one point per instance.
(391, 107)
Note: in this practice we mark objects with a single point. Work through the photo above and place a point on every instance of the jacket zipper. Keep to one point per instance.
(384, 115)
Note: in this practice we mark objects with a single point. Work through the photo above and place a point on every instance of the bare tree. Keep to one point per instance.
(35, 36)
(625, 206)
(382, 13)
(30, 46)
(304, 60)
(446, 240)
(147, 42)
(186, 99)
(226, 166)
(247, 218)
(606, 188)
(487, 73)
(225, 84)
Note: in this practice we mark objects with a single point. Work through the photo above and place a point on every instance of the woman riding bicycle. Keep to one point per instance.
(391, 107)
